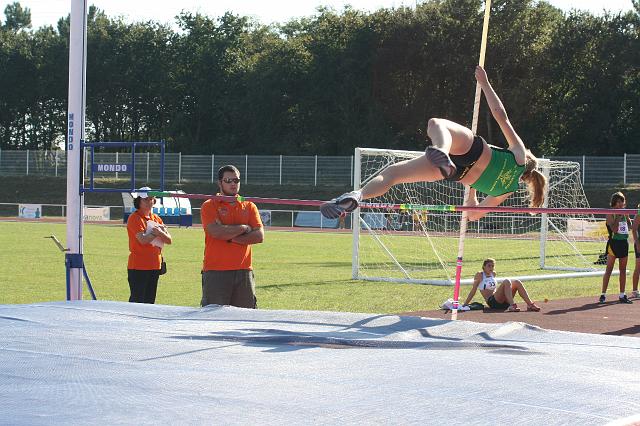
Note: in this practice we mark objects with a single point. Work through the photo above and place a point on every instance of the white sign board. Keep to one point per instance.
(586, 228)
(265, 217)
(96, 214)
(30, 211)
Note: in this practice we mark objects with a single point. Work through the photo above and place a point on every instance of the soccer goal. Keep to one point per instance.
(417, 246)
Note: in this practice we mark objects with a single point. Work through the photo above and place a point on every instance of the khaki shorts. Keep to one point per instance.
(235, 288)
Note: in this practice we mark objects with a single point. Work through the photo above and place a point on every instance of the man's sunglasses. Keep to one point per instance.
(231, 180)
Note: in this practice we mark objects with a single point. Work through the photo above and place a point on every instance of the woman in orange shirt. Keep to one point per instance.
(145, 248)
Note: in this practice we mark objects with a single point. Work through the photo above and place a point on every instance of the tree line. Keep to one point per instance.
(327, 83)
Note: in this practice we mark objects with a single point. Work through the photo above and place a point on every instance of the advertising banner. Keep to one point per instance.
(96, 214)
(30, 211)
(265, 216)
(581, 228)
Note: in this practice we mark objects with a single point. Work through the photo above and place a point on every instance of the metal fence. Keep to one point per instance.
(269, 169)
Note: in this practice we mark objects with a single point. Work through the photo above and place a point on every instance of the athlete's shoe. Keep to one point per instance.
(624, 299)
(513, 308)
(441, 160)
(602, 299)
(635, 294)
(345, 203)
(533, 307)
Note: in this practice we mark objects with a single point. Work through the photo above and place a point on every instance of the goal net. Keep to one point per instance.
(419, 246)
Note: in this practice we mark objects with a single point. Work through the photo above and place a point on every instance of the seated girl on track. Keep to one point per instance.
(498, 296)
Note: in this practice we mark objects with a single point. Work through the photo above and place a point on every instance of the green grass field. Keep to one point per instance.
(294, 270)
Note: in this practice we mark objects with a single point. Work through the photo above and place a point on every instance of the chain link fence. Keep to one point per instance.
(268, 169)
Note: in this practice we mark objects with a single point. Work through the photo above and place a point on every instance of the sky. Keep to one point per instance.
(47, 12)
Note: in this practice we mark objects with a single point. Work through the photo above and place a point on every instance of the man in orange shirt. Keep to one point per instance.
(230, 229)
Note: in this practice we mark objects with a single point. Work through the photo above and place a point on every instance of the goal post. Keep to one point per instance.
(416, 246)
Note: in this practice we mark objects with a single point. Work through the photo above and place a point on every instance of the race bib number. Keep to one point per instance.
(623, 227)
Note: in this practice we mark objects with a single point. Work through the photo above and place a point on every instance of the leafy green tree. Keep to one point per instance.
(329, 82)
(17, 17)
(206, 81)
(594, 70)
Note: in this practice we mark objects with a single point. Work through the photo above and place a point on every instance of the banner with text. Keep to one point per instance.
(96, 214)
(30, 211)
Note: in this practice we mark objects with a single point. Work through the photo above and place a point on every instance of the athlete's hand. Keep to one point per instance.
(481, 75)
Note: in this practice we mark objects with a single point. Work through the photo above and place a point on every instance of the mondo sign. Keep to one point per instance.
(113, 168)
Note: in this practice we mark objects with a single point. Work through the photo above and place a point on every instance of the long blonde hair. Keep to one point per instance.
(536, 181)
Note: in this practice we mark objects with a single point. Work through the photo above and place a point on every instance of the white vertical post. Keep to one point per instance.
(148, 156)
(212, 171)
(624, 169)
(315, 173)
(85, 163)
(117, 158)
(27, 162)
(281, 174)
(75, 135)
(351, 176)
(544, 224)
(355, 217)
(180, 167)
(56, 159)
(584, 170)
(246, 167)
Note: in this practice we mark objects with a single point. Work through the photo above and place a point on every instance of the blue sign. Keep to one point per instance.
(170, 211)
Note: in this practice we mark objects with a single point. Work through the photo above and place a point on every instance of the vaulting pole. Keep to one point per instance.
(474, 128)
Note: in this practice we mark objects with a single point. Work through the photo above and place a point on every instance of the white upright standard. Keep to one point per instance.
(75, 135)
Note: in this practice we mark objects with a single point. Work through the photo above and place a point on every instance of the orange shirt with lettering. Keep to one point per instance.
(221, 255)
(144, 257)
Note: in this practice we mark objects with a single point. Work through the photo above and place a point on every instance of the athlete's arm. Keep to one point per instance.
(473, 197)
(490, 201)
(500, 115)
(476, 282)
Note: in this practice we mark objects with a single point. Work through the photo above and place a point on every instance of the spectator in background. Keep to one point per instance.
(499, 296)
(147, 234)
(420, 218)
(404, 220)
(636, 249)
(230, 228)
(617, 247)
